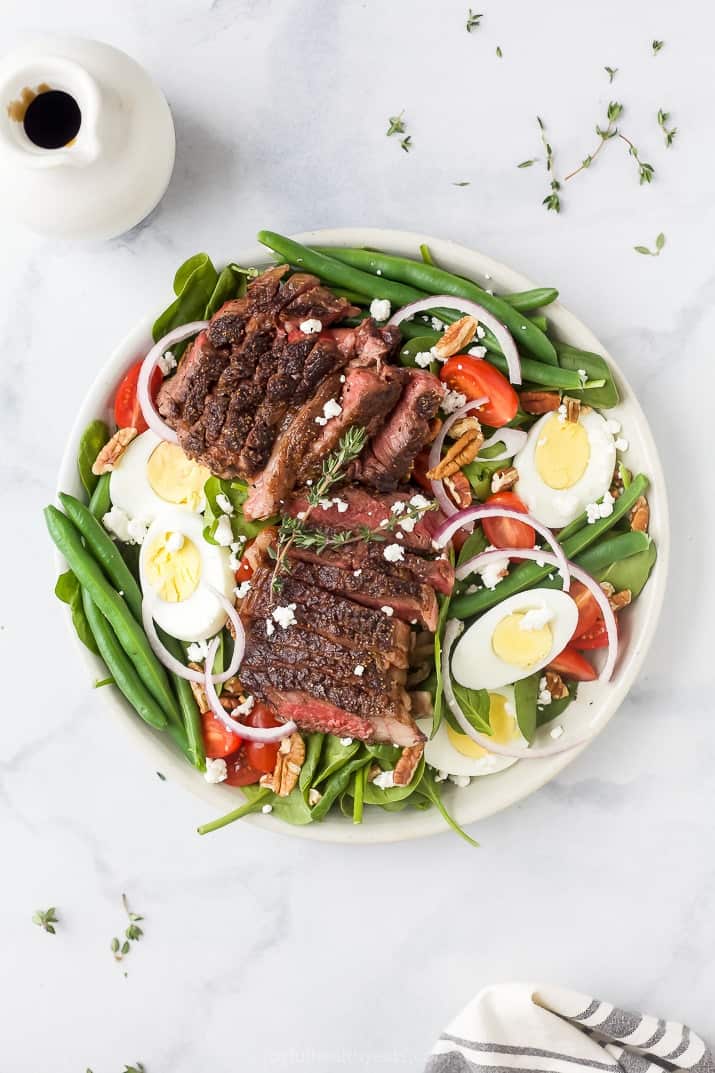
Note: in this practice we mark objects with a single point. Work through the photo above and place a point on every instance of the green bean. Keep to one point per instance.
(604, 553)
(120, 666)
(129, 633)
(525, 301)
(191, 716)
(351, 296)
(528, 574)
(105, 552)
(540, 321)
(244, 810)
(426, 254)
(431, 280)
(100, 501)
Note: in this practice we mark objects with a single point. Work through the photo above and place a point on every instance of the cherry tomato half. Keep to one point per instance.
(254, 758)
(127, 412)
(219, 741)
(588, 609)
(596, 637)
(245, 567)
(505, 532)
(474, 378)
(571, 664)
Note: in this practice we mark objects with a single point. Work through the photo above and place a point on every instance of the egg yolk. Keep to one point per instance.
(562, 452)
(503, 724)
(175, 477)
(518, 646)
(173, 573)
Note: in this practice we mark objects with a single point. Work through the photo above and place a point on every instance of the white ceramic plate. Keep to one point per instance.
(595, 704)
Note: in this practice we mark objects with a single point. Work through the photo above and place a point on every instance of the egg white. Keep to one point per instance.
(557, 507)
(129, 486)
(476, 665)
(441, 754)
(201, 615)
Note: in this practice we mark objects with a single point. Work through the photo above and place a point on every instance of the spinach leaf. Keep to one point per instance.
(335, 755)
(444, 602)
(68, 590)
(479, 473)
(421, 344)
(194, 284)
(596, 368)
(475, 543)
(475, 704)
(631, 573)
(336, 784)
(526, 692)
(428, 788)
(91, 443)
(228, 285)
(375, 795)
(551, 711)
(386, 755)
(291, 809)
(237, 493)
(313, 749)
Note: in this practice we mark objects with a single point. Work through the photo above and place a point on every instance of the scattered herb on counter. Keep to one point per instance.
(612, 72)
(161, 776)
(659, 244)
(137, 1068)
(552, 199)
(406, 143)
(645, 171)
(657, 46)
(464, 182)
(132, 933)
(473, 20)
(46, 919)
(668, 134)
(613, 114)
(526, 164)
(499, 52)
(396, 124)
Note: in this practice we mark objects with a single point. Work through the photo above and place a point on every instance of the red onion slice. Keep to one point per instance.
(539, 752)
(248, 733)
(447, 529)
(151, 415)
(472, 309)
(590, 582)
(448, 507)
(175, 665)
(512, 438)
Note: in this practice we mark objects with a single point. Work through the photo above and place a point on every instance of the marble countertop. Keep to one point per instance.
(261, 952)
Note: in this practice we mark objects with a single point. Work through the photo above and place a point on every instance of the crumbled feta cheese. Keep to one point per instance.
(583, 375)
(480, 332)
(420, 502)
(175, 542)
(314, 796)
(223, 534)
(400, 536)
(614, 427)
(493, 572)
(346, 741)
(137, 530)
(216, 770)
(441, 776)
(394, 553)
(408, 524)
(242, 590)
(378, 272)
(384, 780)
(380, 309)
(116, 521)
(285, 616)
(452, 401)
(224, 503)
(267, 809)
(544, 697)
(357, 573)
(477, 351)
(460, 780)
(437, 325)
(386, 610)
(536, 618)
(311, 326)
(359, 670)
(167, 362)
(340, 504)
(330, 409)
(270, 628)
(325, 504)
(424, 359)
(557, 732)
(604, 509)
(245, 707)
(384, 523)
(197, 651)
(621, 444)
(561, 412)
(398, 507)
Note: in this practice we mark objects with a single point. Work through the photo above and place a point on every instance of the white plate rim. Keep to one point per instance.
(467, 805)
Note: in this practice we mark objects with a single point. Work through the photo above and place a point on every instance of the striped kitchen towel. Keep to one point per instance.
(530, 1028)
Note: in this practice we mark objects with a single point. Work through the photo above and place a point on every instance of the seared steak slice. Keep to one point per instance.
(182, 398)
(315, 714)
(331, 616)
(410, 601)
(365, 509)
(303, 297)
(395, 446)
(438, 573)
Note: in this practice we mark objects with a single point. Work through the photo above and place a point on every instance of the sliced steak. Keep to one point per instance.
(316, 714)
(411, 601)
(393, 449)
(438, 573)
(365, 509)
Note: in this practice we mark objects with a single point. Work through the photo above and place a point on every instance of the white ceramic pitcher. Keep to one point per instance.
(118, 164)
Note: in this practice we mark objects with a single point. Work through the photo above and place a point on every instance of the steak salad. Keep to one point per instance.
(356, 532)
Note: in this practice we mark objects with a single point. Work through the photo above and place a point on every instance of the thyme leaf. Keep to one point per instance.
(46, 919)
(473, 20)
(657, 46)
(668, 133)
(659, 244)
(612, 72)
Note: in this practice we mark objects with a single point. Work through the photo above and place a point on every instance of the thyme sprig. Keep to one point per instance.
(132, 933)
(473, 20)
(657, 46)
(552, 201)
(645, 171)
(659, 244)
(668, 133)
(611, 72)
(46, 919)
(396, 124)
(613, 114)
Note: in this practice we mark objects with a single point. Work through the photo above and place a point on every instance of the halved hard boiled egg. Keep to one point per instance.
(564, 465)
(176, 568)
(516, 638)
(152, 475)
(457, 754)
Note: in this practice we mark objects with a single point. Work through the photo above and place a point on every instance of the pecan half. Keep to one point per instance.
(458, 489)
(620, 599)
(573, 409)
(504, 479)
(407, 764)
(464, 424)
(640, 515)
(112, 451)
(539, 402)
(289, 761)
(460, 453)
(456, 337)
(556, 685)
(199, 692)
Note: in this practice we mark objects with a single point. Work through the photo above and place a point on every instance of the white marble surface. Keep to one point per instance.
(262, 953)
